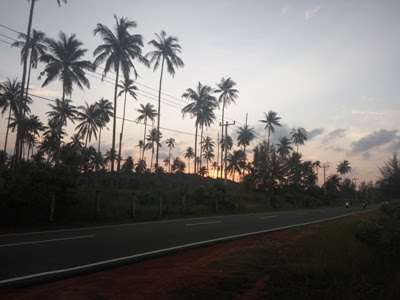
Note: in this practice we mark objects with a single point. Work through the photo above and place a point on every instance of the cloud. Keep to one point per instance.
(367, 99)
(395, 145)
(373, 114)
(285, 9)
(375, 139)
(366, 155)
(313, 133)
(39, 91)
(338, 133)
(309, 13)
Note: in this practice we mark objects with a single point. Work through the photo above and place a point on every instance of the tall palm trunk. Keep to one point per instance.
(28, 38)
(98, 147)
(24, 110)
(115, 114)
(120, 135)
(222, 137)
(8, 128)
(159, 107)
(201, 148)
(152, 154)
(169, 160)
(144, 136)
(189, 165)
(195, 150)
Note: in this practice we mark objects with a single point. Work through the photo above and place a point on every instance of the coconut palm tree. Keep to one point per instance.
(10, 92)
(170, 145)
(128, 164)
(110, 156)
(178, 165)
(245, 136)
(64, 61)
(284, 146)
(61, 112)
(189, 154)
(126, 86)
(25, 62)
(235, 162)
(118, 51)
(343, 168)
(271, 120)
(228, 95)
(229, 143)
(153, 137)
(33, 127)
(299, 135)
(208, 155)
(206, 117)
(105, 109)
(90, 121)
(202, 105)
(167, 50)
(36, 48)
(147, 112)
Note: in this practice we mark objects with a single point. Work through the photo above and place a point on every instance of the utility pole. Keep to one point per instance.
(324, 167)
(225, 146)
(355, 186)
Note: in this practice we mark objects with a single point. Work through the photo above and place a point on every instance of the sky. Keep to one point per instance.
(331, 67)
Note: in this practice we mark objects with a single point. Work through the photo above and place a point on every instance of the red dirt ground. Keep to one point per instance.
(151, 279)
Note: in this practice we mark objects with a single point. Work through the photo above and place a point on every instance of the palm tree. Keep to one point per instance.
(178, 165)
(10, 91)
(33, 128)
(118, 50)
(206, 117)
(229, 143)
(91, 121)
(271, 120)
(189, 154)
(245, 137)
(170, 145)
(61, 112)
(208, 155)
(235, 162)
(284, 146)
(153, 137)
(128, 164)
(343, 168)
(203, 102)
(126, 86)
(141, 146)
(64, 61)
(167, 50)
(110, 156)
(34, 49)
(25, 62)
(147, 112)
(105, 109)
(299, 135)
(228, 95)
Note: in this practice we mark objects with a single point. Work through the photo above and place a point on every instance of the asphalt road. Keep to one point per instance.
(34, 257)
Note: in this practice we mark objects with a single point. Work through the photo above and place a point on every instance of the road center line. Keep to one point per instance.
(267, 217)
(48, 241)
(205, 223)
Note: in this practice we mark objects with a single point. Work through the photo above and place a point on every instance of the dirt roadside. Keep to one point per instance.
(151, 279)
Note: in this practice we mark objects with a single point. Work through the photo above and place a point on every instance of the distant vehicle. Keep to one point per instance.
(347, 204)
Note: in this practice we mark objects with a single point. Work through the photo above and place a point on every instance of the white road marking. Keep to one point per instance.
(82, 267)
(48, 241)
(267, 217)
(205, 223)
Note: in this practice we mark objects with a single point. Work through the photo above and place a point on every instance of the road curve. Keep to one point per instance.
(33, 257)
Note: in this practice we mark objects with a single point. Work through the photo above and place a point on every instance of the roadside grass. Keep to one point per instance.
(327, 261)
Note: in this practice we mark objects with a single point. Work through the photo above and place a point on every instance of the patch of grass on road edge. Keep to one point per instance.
(328, 261)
